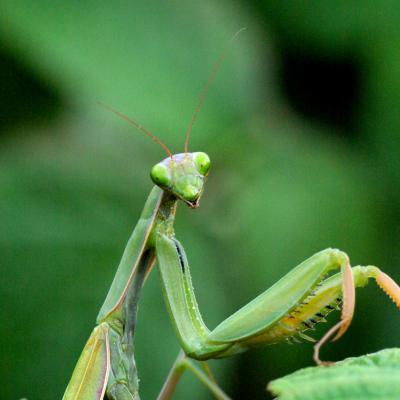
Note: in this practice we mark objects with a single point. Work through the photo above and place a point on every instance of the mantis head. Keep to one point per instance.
(183, 175)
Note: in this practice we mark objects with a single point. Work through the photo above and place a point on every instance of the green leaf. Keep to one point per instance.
(372, 377)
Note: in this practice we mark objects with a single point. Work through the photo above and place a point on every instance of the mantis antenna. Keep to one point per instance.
(204, 91)
(140, 127)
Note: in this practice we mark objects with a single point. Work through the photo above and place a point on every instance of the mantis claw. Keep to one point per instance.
(349, 301)
(384, 281)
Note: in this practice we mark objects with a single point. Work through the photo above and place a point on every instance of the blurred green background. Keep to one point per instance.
(302, 126)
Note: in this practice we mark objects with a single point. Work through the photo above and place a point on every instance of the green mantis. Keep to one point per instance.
(284, 312)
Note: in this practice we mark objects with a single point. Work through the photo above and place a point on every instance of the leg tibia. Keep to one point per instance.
(340, 285)
(329, 293)
(360, 277)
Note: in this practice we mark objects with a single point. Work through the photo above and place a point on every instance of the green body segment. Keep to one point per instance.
(123, 382)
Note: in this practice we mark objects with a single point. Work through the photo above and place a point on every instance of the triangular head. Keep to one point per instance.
(183, 175)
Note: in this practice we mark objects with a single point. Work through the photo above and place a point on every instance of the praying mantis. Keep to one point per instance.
(106, 368)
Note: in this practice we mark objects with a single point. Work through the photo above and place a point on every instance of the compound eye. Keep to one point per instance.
(160, 175)
(202, 162)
